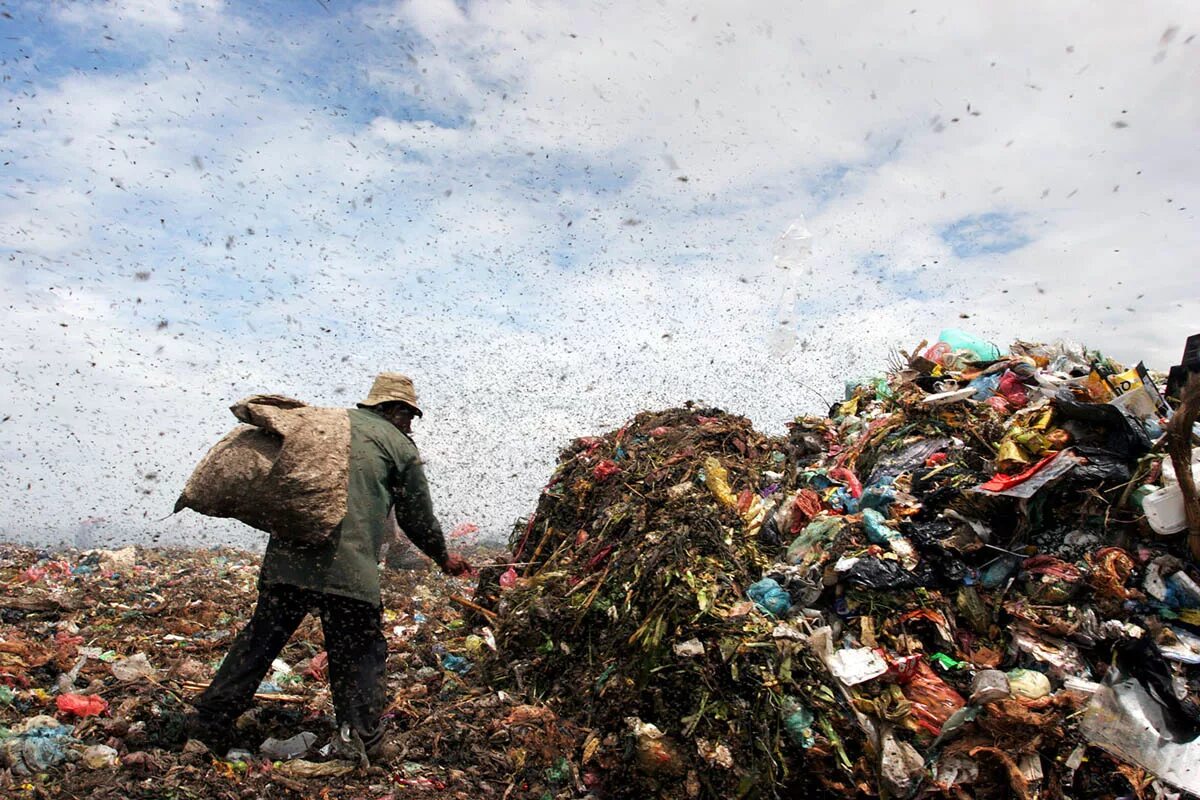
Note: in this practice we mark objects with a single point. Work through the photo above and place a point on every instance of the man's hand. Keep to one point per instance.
(457, 566)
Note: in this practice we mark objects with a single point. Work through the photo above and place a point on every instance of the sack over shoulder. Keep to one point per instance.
(285, 471)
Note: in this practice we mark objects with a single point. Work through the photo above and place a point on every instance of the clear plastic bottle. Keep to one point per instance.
(792, 253)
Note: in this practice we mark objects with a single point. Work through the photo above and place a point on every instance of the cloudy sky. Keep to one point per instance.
(552, 215)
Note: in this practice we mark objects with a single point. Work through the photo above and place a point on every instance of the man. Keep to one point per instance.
(339, 579)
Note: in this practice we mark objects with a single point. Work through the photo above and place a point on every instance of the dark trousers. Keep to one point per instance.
(353, 639)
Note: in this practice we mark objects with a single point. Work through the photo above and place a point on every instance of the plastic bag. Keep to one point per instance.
(716, 478)
(136, 667)
(985, 386)
(798, 722)
(605, 470)
(40, 743)
(1103, 425)
(807, 548)
(1028, 683)
(900, 766)
(877, 573)
(792, 252)
(100, 756)
(1012, 390)
(456, 664)
(1125, 720)
(508, 579)
(879, 532)
(960, 341)
(656, 754)
(81, 705)
(933, 700)
(769, 596)
(288, 749)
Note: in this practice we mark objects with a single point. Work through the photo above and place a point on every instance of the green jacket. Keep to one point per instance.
(385, 472)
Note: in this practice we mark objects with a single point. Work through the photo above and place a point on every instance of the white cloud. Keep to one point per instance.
(166, 15)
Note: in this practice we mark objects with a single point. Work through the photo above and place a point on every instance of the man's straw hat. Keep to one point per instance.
(391, 387)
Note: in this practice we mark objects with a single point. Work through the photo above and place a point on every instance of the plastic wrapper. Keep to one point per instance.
(1028, 483)
(933, 700)
(1028, 683)
(856, 666)
(808, 547)
(1125, 720)
(300, 768)
(38, 744)
(989, 685)
(99, 756)
(656, 753)
(768, 595)
(81, 705)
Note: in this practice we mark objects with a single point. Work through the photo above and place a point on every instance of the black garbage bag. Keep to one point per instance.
(1103, 426)
(769, 534)
(926, 536)
(1100, 466)
(877, 573)
(907, 458)
(1142, 659)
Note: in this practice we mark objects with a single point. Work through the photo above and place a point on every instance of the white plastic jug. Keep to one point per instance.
(1164, 510)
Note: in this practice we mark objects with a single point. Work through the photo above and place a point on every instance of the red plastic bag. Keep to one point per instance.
(937, 459)
(318, 667)
(604, 470)
(33, 574)
(849, 478)
(999, 404)
(1012, 390)
(590, 444)
(933, 700)
(508, 579)
(81, 705)
(806, 506)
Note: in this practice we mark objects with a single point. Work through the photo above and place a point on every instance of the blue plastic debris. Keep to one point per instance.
(456, 664)
(768, 595)
(43, 744)
(798, 721)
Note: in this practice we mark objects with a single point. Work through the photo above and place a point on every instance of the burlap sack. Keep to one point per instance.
(285, 471)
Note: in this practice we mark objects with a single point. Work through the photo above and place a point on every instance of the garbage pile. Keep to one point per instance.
(956, 584)
(632, 613)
